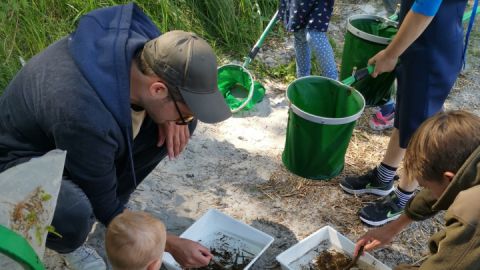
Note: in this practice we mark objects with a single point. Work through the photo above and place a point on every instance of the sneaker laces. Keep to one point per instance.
(390, 201)
(370, 175)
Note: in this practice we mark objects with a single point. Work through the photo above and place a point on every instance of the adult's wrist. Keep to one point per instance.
(170, 242)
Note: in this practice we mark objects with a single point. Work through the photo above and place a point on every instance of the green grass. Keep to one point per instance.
(286, 72)
(230, 26)
(27, 27)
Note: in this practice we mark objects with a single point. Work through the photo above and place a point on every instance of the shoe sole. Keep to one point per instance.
(378, 223)
(379, 128)
(374, 191)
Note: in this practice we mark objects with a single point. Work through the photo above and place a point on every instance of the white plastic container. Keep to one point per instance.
(305, 251)
(214, 225)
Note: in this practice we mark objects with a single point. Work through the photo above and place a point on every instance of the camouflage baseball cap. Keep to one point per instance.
(187, 62)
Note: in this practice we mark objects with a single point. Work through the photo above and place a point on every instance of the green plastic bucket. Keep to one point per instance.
(18, 249)
(238, 87)
(321, 119)
(366, 36)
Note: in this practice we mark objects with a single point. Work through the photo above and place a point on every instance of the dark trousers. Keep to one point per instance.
(73, 217)
(428, 68)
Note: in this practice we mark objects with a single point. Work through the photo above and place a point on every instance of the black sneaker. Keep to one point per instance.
(367, 183)
(381, 211)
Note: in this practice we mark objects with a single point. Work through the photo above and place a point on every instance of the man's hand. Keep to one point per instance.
(383, 235)
(383, 63)
(176, 137)
(187, 253)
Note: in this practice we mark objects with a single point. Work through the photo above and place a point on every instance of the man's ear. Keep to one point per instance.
(158, 90)
(448, 176)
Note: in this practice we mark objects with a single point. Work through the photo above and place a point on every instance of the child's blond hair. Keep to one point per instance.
(442, 143)
(133, 240)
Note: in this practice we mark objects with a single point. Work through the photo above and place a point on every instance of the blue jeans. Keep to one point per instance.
(306, 40)
(73, 217)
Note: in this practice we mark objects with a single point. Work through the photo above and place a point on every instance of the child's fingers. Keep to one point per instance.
(373, 61)
(372, 245)
(360, 243)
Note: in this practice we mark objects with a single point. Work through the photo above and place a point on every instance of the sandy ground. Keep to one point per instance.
(236, 167)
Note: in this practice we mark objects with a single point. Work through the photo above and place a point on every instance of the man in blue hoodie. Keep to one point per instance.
(109, 94)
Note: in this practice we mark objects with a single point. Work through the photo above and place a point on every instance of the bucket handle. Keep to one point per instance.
(359, 75)
(253, 52)
(390, 21)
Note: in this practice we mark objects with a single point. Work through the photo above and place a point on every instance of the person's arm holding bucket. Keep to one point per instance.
(416, 21)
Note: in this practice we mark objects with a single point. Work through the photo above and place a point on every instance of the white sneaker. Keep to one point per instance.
(84, 258)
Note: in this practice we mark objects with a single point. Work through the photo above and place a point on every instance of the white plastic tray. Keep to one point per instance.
(302, 253)
(213, 225)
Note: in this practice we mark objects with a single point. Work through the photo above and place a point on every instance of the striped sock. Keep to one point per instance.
(403, 196)
(385, 173)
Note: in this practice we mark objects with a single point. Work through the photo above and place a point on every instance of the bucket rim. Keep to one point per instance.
(366, 36)
(250, 91)
(321, 119)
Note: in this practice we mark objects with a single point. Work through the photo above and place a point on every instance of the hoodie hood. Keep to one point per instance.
(467, 176)
(103, 46)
